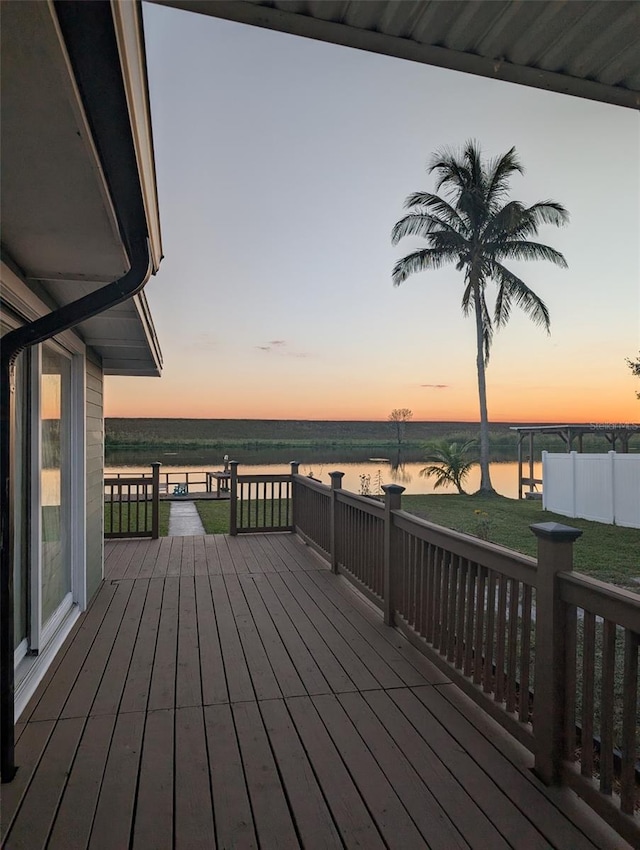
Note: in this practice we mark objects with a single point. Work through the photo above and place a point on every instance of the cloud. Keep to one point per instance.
(435, 386)
(279, 347)
(204, 341)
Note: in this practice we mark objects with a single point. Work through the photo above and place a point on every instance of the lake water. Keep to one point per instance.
(319, 463)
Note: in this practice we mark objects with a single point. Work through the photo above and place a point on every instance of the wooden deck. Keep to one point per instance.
(233, 693)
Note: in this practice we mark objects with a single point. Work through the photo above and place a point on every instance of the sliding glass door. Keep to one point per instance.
(20, 506)
(55, 478)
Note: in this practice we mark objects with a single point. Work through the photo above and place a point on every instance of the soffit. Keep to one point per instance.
(586, 48)
(57, 217)
(59, 227)
(124, 336)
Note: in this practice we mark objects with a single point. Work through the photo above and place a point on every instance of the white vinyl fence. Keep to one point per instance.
(600, 487)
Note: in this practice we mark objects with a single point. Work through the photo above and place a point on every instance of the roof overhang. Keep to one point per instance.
(585, 48)
(62, 224)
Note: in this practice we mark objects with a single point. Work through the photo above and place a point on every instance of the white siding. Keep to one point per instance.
(95, 474)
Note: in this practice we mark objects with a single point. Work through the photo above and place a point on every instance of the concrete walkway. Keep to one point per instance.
(184, 520)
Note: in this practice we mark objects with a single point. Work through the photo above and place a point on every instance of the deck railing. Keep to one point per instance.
(550, 654)
(132, 505)
(186, 482)
(260, 502)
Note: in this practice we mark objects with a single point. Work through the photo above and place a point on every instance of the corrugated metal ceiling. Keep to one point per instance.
(587, 48)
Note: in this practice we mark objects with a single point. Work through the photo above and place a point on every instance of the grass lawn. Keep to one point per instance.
(214, 516)
(606, 552)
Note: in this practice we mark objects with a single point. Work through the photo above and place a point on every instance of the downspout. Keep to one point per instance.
(12, 344)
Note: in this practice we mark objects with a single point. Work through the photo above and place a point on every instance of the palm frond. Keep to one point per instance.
(523, 250)
(449, 240)
(452, 173)
(448, 463)
(443, 209)
(515, 221)
(420, 261)
(549, 212)
(499, 171)
(502, 308)
(520, 294)
(487, 327)
(473, 159)
(419, 224)
(467, 303)
(505, 221)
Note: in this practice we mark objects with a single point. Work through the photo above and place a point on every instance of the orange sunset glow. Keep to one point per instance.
(515, 404)
(274, 299)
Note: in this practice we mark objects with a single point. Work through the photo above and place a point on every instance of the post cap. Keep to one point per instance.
(156, 463)
(555, 531)
(336, 475)
(393, 489)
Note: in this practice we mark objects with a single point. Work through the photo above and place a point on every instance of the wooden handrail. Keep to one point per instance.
(604, 600)
(490, 555)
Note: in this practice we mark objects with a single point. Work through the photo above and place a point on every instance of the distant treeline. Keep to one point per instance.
(282, 433)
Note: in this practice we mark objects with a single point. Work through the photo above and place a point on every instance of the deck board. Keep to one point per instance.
(162, 692)
(234, 821)
(85, 688)
(112, 684)
(138, 674)
(273, 820)
(382, 800)
(153, 822)
(311, 813)
(415, 795)
(49, 701)
(114, 812)
(461, 808)
(232, 692)
(74, 819)
(188, 677)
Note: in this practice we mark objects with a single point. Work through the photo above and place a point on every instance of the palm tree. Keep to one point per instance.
(448, 463)
(475, 226)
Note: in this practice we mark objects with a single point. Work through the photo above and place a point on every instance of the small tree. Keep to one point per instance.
(634, 365)
(449, 463)
(399, 417)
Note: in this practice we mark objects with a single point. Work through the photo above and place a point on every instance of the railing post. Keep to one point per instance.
(336, 484)
(233, 507)
(155, 500)
(295, 466)
(392, 502)
(555, 555)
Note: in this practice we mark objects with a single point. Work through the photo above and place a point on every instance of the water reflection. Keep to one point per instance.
(308, 456)
(398, 468)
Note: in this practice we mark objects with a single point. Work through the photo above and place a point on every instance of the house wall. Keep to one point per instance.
(95, 472)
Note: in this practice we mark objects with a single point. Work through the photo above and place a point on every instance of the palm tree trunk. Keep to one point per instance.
(485, 480)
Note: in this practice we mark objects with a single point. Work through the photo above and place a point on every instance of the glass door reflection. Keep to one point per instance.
(55, 480)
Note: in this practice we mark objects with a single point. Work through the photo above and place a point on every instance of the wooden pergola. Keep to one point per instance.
(617, 435)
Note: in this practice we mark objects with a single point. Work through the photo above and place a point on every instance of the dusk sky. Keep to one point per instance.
(282, 165)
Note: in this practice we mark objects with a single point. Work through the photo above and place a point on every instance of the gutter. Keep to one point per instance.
(12, 344)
